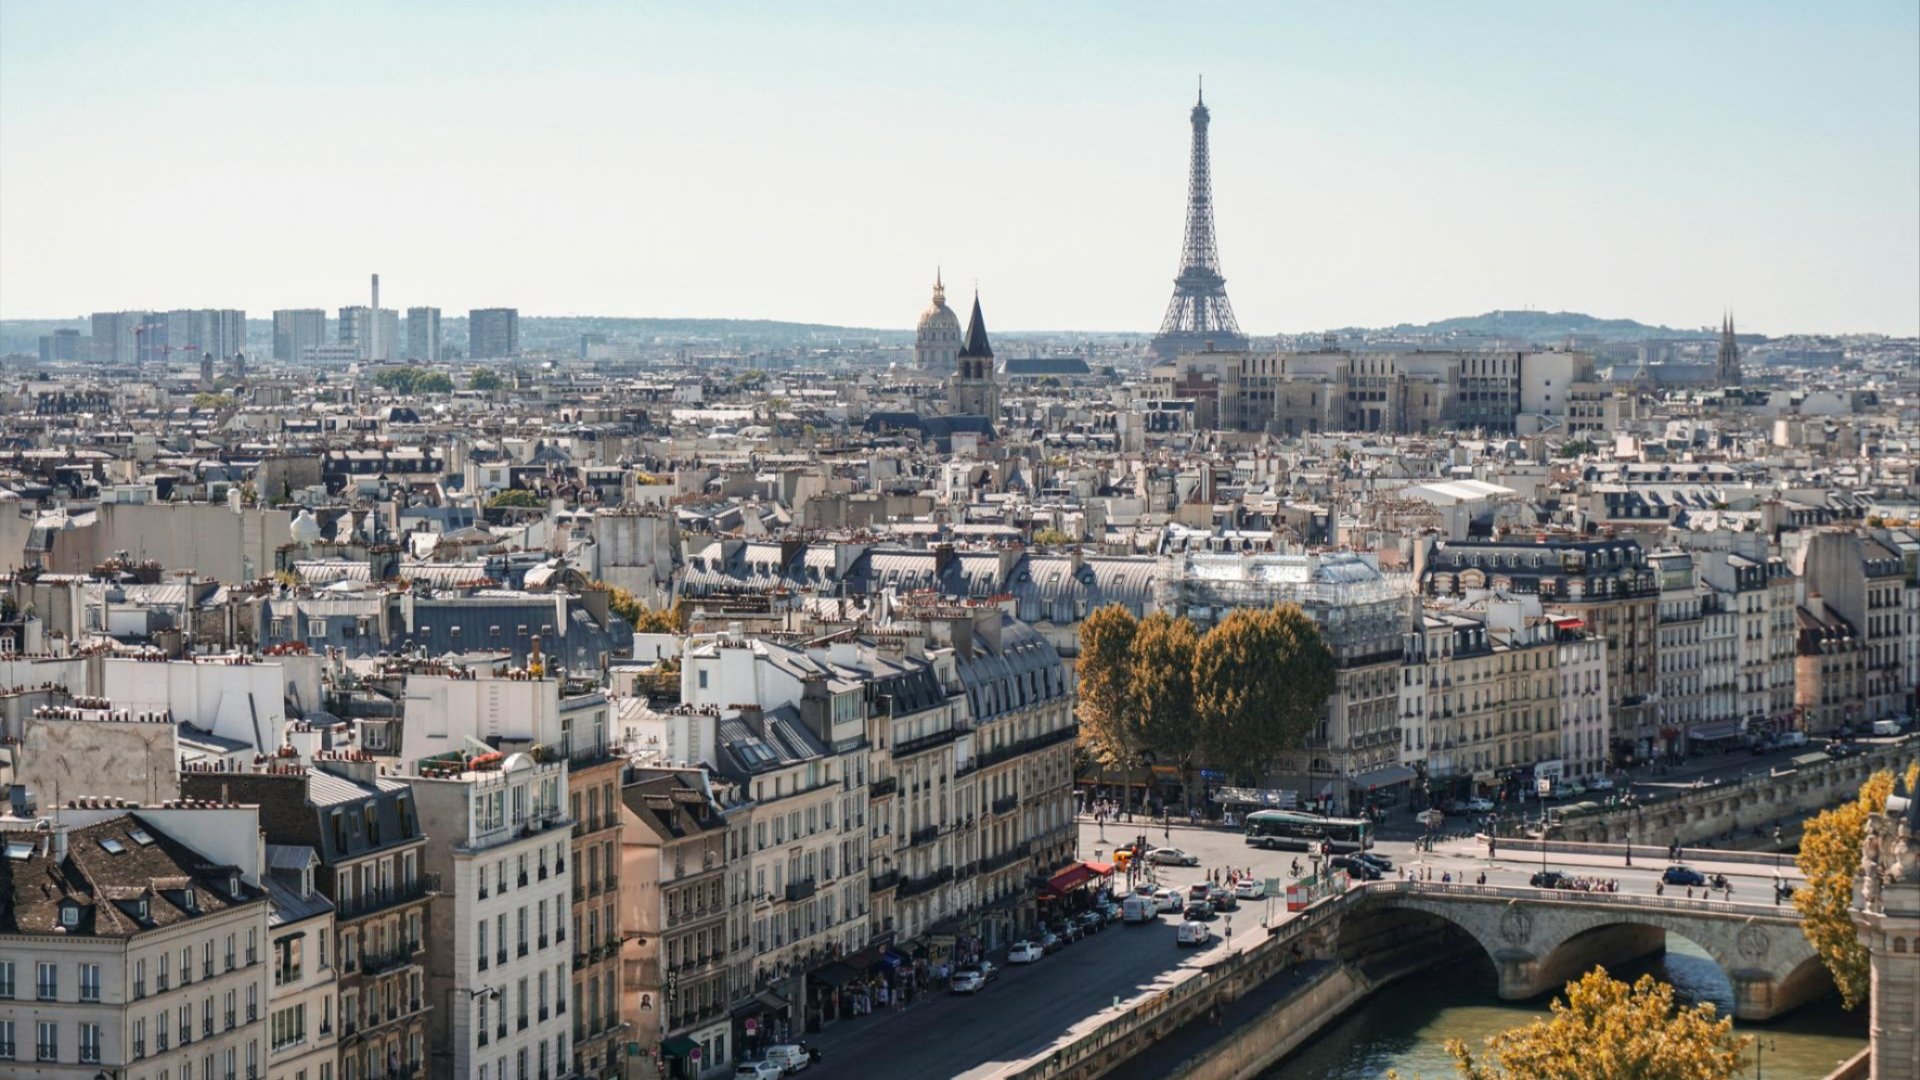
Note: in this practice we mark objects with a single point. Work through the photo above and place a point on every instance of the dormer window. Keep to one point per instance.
(70, 915)
(190, 899)
(140, 908)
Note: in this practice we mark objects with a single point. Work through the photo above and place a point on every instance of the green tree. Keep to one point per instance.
(1830, 858)
(1108, 724)
(485, 380)
(518, 497)
(1606, 1030)
(1051, 536)
(1160, 693)
(433, 382)
(1260, 681)
(213, 402)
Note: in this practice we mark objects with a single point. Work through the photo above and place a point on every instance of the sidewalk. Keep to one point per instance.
(1698, 858)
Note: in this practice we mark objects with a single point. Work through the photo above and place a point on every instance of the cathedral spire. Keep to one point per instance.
(975, 344)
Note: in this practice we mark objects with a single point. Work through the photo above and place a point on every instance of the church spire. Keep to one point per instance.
(975, 344)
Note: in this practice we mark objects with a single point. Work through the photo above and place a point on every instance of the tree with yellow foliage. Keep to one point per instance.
(1830, 859)
(1606, 1030)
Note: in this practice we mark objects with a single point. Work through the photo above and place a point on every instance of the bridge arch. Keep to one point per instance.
(1538, 941)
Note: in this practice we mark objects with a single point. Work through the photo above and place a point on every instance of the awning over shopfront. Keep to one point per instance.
(1069, 879)
(1078, 874)
(679, 1046)
(1709, 732)
(1387, 777)
(766, 1001)
(837, 974)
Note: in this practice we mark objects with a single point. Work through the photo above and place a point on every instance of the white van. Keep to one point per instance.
(1139, 909)
(1790, 738)
(1886, 727)
(1192, 933)
(790, 1058)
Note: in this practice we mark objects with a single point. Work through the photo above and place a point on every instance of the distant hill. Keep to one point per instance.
(1546, 327)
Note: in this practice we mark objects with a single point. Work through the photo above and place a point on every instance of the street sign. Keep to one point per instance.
(693, 1055)
(752, 1024)
(1544, 786)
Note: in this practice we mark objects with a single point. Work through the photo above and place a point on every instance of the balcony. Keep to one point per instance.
(916, 886)
(880, 882)
(1006, 804)
(1005, 859)
(424, 886)
(924, 836)
(880, 789)
(378, 963)
(924, 743)
(800, 890)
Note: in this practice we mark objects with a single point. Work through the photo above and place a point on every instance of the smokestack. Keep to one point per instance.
(373, 347)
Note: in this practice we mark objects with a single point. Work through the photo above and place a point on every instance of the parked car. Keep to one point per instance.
(757, 1070)
(1199, 890)
(1432, 818)
(967, 981)
(1250, 889)
(1145, 888)
(1139, 909)
(1166, 900)
(1110, 910)
(1172, 856)
(1192, 933)
(1600, 783)
(1683, 875)
(1222, 899)
(1068, 931)
(1092, 922)
(1051, 942)
(1571, 789)
(1547, 879)
(1375, 859)
(1025, 952)
(1478, 805)
(1356, 868)
(1199, 909)
(790, 1057)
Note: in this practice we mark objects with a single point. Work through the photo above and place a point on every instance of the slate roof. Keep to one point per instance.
(975, 345)
(110, 865)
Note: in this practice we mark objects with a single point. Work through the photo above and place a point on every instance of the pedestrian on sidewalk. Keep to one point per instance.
(1629, 854)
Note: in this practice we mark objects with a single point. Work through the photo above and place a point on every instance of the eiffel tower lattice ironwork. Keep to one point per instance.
(1199, 315)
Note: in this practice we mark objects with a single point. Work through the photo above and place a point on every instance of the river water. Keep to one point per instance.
(1405, 1026)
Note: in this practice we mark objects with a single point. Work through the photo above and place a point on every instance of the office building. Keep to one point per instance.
(295, 330)
(493, 333)
(423, 334)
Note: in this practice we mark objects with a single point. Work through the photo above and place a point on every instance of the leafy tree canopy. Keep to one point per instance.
(1830, 858)
(485, 380)
(1604, 1029)
(1260, 682)
(413, 380)
(1107, 723)
(520, 497)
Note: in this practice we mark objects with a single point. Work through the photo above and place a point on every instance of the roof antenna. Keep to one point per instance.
(1203, 90)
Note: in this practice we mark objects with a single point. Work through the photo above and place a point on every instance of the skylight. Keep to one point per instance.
(19, 850)
(112, 846)
(139, 836)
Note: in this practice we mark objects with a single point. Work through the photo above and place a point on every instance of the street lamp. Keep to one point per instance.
(1760, 1048)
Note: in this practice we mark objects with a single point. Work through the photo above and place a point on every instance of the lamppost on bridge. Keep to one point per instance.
(1761, 1045)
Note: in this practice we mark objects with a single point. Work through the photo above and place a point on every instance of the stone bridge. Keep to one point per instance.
(1540, 939)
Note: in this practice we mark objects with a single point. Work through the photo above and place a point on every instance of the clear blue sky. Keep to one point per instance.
(1374, 163)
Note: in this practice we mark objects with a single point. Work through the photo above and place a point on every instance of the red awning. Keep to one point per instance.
(1070, 878)
(1101, 869)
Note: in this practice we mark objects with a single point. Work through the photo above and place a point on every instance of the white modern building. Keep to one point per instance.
(499, 966)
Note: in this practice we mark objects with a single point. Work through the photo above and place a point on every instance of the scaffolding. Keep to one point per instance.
(1359, 608)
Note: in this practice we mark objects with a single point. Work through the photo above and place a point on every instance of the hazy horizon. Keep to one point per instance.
(1372, 167)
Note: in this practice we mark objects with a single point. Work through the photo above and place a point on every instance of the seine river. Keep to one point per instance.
(1405, 1027)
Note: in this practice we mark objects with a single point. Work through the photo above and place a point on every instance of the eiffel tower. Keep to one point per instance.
(1199, 316)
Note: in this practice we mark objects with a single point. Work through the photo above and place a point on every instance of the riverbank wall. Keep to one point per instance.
(1711, 813)
(1254, 1047)
(1136, 1027)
